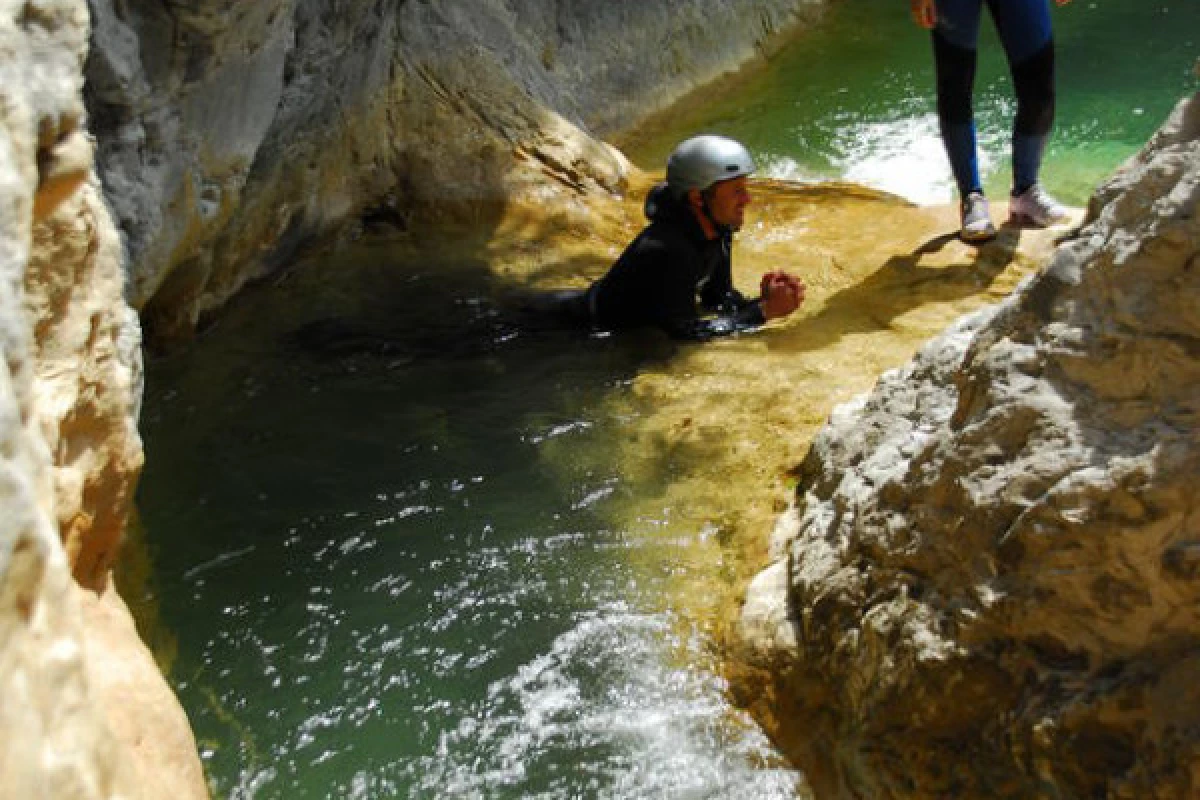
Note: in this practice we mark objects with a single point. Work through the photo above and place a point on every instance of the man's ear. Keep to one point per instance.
(695, 199)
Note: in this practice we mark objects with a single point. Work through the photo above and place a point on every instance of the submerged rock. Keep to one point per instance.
(988, 586)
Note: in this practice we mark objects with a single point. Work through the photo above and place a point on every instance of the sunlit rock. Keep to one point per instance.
(992, 560)
(73, 723)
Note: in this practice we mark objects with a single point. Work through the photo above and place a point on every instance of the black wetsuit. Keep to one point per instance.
(656, 281)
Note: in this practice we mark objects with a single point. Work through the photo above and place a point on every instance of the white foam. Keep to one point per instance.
(904, 157)
(785, 168)
(611, 710)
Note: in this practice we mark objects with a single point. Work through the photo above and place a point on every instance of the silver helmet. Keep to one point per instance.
(701, 161)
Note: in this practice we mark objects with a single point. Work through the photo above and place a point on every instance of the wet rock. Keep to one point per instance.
(227, 130)
(990, 563)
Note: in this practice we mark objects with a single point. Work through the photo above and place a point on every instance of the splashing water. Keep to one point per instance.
(852, 99)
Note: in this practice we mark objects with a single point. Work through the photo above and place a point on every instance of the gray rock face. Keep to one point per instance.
(232, 133)
(990, 583)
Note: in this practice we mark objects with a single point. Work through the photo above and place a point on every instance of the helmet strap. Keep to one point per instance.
(704, 215)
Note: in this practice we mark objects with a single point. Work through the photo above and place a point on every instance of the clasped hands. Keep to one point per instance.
(781, 294)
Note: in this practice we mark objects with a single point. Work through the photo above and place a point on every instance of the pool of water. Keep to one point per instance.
(392, 555)
(853, 98)
(391, 531)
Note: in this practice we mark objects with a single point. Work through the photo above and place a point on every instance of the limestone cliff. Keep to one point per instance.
(231, 134)
(86, 713)
(989, 585)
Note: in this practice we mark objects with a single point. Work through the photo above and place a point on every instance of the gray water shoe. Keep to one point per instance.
(1035, 206)
(976, 220)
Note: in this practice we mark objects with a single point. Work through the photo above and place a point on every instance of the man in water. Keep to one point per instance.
(1024, 27)
(684, 254)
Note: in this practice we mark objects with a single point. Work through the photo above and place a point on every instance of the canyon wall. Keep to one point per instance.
(86, 713)
(208, 144)
(989, 584)
(232, 134)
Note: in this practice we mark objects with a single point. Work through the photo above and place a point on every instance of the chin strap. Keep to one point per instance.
(711, 229)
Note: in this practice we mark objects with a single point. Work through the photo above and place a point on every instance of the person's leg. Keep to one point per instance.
(954, 47)
(1024, 28)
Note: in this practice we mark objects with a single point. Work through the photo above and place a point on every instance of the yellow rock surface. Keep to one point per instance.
(727, 420)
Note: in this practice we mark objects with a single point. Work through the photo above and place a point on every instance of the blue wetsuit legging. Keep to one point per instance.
(1024, 28)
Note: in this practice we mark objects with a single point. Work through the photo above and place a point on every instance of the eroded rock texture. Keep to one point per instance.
(85, 712)
(990, 583)
(232, 134)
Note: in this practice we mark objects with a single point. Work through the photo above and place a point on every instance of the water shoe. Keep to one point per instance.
(976, 220)
(1037, 208)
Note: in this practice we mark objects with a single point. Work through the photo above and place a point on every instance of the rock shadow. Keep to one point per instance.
(901, 284)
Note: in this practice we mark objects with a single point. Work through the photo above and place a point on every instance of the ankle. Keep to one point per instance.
(967, 197)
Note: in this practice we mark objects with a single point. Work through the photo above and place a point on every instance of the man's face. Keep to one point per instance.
(727, 202)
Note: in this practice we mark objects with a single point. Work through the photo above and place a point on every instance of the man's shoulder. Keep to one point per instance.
(669, 234)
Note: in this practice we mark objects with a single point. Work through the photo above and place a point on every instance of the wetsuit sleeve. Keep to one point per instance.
(734, 312)
(718, 294)
(702, 329)
(677, 313)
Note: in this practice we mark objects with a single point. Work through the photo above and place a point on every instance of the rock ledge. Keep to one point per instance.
(989, 585)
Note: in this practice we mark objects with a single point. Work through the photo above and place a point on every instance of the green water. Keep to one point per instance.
(388, 554)
(386, 522)
(853, 98)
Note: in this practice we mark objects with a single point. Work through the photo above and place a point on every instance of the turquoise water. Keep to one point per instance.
(389, 555)
(853, 98)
